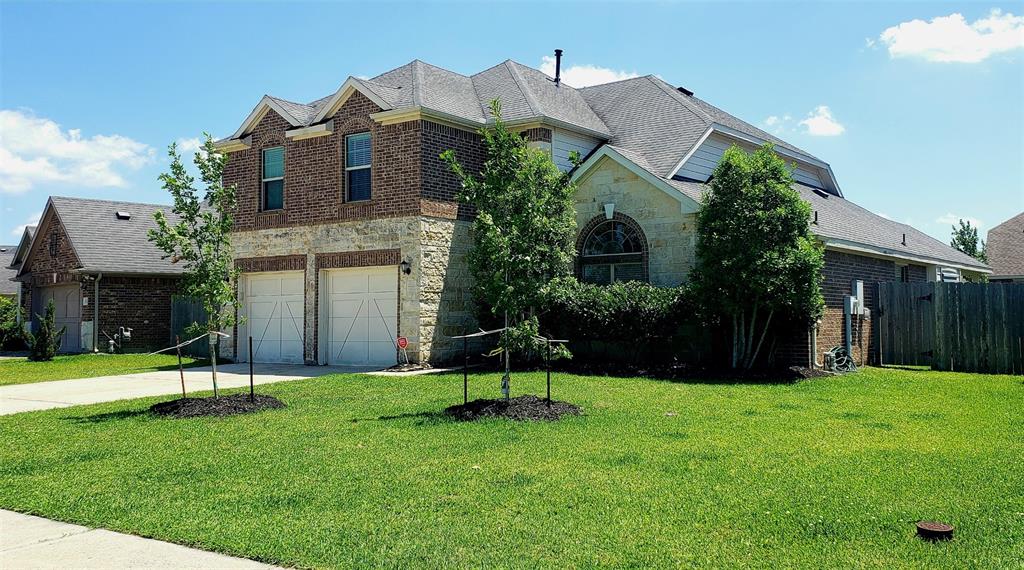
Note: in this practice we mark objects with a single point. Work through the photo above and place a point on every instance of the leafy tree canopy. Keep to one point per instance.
(756, 257)
(966, 240)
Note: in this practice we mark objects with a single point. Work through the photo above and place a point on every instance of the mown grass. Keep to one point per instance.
(65, 367)
(362, 471)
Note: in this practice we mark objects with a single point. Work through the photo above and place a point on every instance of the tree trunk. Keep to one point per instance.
(767, 325)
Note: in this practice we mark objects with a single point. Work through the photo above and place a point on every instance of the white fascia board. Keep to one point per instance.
(686, 204)
(265, 104)
(310, 132)
(557, 123)
(854, 247)
(343, 93)
(232, 145)
(693, 149)
(758, 141)
(418, 112)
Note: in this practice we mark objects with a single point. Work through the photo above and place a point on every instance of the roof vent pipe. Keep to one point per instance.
(558, 67)
(904, 239)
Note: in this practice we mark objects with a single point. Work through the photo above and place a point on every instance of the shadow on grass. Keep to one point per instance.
(108, 417)
(906, 368)
(421, 418)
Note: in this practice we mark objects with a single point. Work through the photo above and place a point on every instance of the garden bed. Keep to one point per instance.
(520, 408)
(222, 406)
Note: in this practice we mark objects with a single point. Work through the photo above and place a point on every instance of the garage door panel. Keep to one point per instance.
(381, 283)
(274, 310)
(362, 316)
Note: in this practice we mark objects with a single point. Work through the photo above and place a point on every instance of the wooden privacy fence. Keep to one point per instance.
(184, 312)
(967, 327)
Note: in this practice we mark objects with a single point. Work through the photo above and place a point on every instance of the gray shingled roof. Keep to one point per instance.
(654, 119)
(7, 287)
(841, 219)
(105, 243)
(1006, 247)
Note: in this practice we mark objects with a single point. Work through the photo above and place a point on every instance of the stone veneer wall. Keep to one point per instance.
(433, 300)
(671, 234)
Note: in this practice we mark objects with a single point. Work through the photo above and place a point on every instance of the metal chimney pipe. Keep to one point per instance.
(558, 67)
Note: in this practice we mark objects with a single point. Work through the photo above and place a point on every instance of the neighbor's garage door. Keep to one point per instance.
(67, 302)
(362, 315)
(273, 308)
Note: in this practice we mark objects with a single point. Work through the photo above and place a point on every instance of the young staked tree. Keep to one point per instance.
(201, 238)
(757, 261)
(966, 240)
(523, 231)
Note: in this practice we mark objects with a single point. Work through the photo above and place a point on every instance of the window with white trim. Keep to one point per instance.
(273, 178)
(357, 167)
(613, 251)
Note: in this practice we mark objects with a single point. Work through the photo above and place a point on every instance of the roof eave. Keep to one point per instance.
(266, 103)
(857, 247)
(343, 93)
(687, 205)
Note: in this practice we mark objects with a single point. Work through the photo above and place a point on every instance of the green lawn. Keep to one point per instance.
(360, 471)
(21, 371)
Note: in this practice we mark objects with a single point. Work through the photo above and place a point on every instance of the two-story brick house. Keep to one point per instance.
(348, 233)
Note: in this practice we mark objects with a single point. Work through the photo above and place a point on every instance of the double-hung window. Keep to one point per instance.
(357, 167)
(273, 178)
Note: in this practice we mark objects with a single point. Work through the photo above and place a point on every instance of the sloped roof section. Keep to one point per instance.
(8, 287)
(654, 119)
(111, 245)
(434, 88)
(1006, 248)
(841, 219)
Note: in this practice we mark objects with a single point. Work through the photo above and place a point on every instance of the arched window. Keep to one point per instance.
(613, 250)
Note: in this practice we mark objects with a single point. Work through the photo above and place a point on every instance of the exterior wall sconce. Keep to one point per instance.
(405, 267)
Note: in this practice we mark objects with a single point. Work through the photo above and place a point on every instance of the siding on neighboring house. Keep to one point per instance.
(703, 161)
(564, 142)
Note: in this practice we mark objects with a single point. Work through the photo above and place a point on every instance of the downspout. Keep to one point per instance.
(96, 313)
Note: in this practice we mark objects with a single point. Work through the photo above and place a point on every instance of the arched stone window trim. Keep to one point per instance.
(627, 227)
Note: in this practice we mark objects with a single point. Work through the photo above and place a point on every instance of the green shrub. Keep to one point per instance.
(11, 336)
(621, 321)
(45, 342)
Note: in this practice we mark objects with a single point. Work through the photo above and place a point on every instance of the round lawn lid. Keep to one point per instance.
(933, 530)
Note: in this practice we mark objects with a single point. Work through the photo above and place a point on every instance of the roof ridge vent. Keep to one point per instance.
(123, 215)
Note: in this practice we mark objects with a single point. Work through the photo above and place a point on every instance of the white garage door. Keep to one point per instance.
(273, 309)
(362, 316)
(67, 303)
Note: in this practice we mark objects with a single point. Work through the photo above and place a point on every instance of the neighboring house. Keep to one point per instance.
(1006, 251)
(13, 265)
(348, 231)
(8, 288)
(93, 259)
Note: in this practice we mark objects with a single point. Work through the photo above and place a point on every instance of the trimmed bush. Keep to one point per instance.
(45, 342)
(623, 321)
(11, 335)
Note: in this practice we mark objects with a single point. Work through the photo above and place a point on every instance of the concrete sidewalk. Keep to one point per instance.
(34, 542)
(63, 393)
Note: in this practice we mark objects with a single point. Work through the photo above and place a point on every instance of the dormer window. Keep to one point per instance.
(357, 167)
(273, 178)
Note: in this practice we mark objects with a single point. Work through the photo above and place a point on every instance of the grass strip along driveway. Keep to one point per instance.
(24, 371)
(362, 471)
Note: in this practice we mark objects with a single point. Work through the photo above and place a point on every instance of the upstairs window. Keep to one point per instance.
(273, 178)
(357, 167)
(614, 251)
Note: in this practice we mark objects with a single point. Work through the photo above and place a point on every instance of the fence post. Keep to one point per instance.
(549, 372)
(181, 371)
(252, 394)
(465, 368)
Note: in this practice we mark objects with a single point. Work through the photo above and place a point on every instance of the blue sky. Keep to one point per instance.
(918, 107)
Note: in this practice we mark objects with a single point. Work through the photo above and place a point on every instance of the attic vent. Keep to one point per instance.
(121, 215)
(685, 91)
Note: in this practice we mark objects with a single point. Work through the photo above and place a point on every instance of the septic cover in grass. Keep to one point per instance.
(521, 408)
(222, 406)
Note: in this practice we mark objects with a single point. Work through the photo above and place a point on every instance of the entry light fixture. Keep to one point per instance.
(405, 267)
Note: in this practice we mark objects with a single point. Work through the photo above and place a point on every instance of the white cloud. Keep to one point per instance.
(31, 221)
(952, 39)
(772, 121)
(584, 75)
(188, 145)
(951, 219)
(869, 43)
(36, 150)
(821, 123)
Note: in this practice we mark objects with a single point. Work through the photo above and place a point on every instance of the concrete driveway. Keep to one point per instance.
(65, 393)
(33, 542)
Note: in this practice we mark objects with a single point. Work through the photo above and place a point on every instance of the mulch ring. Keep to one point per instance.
(222, 406)
(520, 408)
